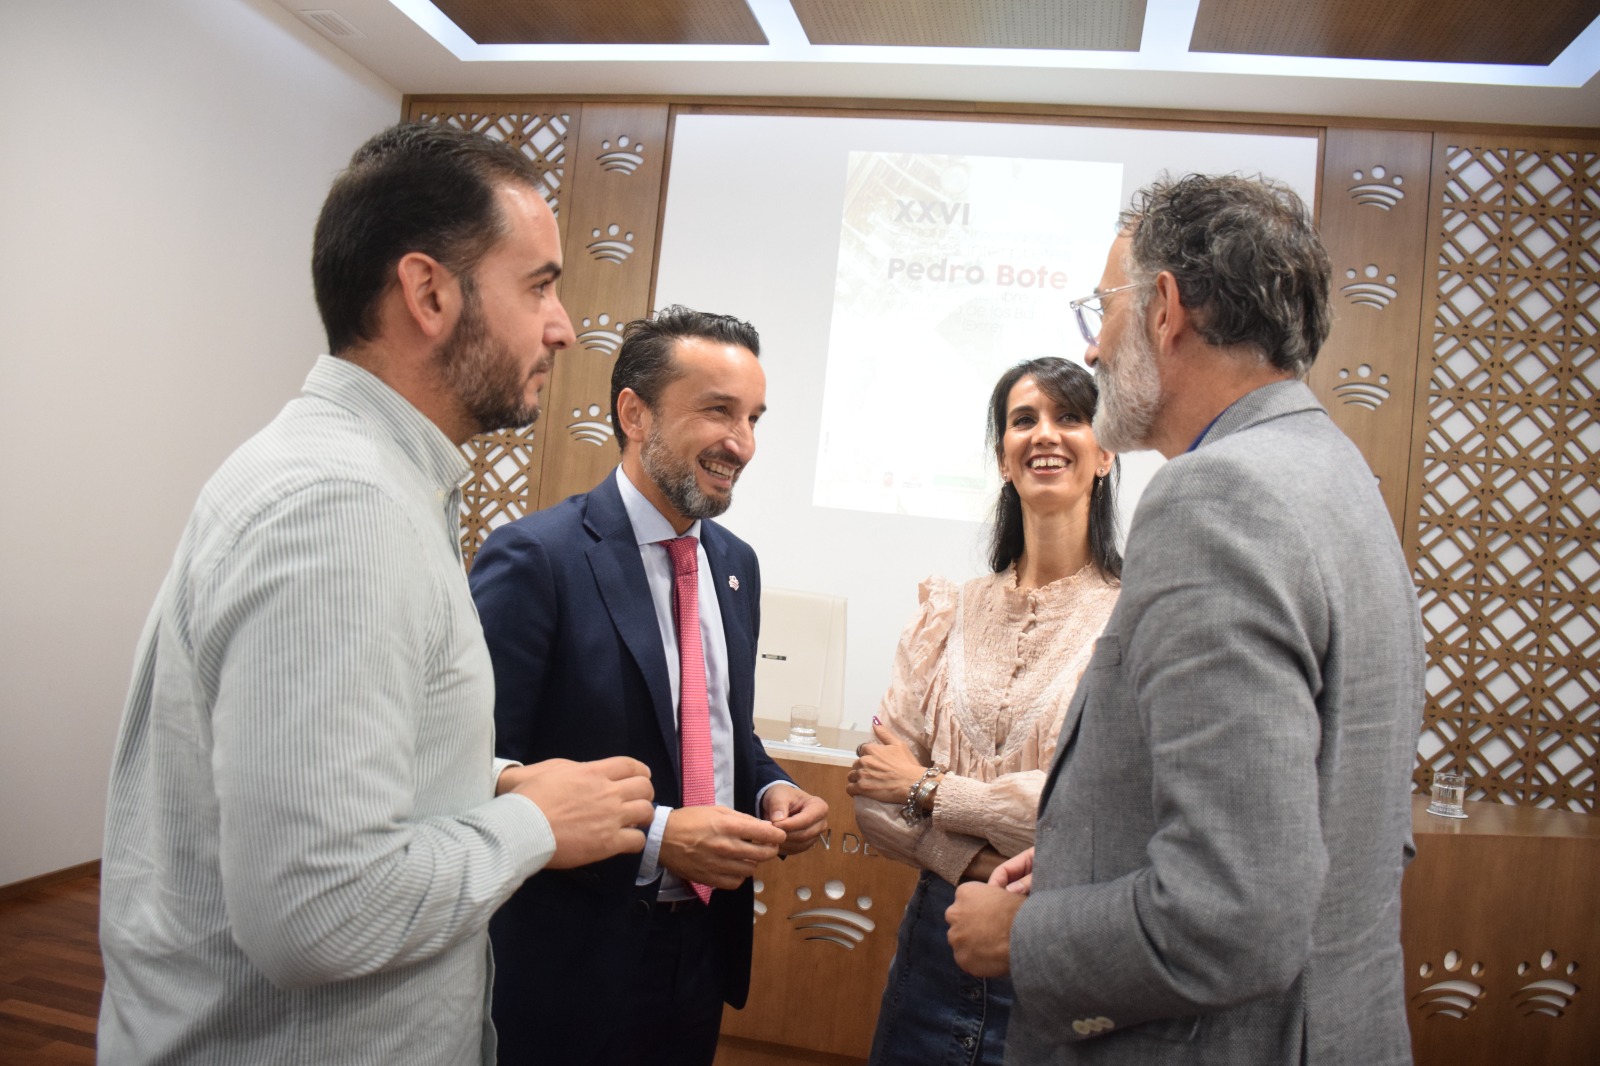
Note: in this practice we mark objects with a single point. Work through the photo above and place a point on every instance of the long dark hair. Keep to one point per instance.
(1071, 386)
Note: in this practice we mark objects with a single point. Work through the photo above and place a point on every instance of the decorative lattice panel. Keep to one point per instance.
(1506, 494)
(540, 137)
(500, 488)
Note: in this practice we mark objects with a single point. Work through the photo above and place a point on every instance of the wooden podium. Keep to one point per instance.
(1500, 920)
(825, 920)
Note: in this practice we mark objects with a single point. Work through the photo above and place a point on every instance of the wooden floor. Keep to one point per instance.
(50, 979)
(50, 974)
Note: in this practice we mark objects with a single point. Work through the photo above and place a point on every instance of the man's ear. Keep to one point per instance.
(633, 416)
(1169, 318)
(430, 292)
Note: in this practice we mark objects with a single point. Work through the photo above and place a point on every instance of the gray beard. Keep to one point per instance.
(1130, 394)
(677, 480)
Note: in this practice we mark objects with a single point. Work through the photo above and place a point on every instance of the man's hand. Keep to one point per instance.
(717, 846)
(1015, 874)
(595, 809)
(885, 770)
(802, 816)
(980, 928)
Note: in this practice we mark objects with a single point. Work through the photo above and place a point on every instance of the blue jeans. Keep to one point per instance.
(934, 1013)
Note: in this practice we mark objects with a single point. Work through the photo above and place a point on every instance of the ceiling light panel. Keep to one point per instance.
(1427, 31)
(1085, 25)
(604, 21)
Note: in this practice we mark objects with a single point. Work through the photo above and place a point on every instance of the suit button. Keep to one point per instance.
(642, 906)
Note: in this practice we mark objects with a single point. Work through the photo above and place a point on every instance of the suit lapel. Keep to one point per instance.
(619, 575)
(1069, 733)
(732, 602)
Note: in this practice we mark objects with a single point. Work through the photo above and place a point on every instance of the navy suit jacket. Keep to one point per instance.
(580, 673)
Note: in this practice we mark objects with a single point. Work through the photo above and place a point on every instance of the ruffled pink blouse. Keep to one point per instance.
(990, 713)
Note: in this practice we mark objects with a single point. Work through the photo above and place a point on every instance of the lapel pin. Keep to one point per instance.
(733, 582)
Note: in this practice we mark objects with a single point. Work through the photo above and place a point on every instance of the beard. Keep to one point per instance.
(677, 480)
(484, 373)
(1130, 391)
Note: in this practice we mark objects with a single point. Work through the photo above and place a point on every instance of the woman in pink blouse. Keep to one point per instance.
(982, 680)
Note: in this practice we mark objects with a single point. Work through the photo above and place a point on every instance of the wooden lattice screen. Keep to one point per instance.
(503, 485)
(1505, 495)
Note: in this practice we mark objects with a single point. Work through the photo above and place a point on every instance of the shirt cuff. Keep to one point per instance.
(650, 861)
(532, 828)
(500, 767)
(760, 811)
(962, 805)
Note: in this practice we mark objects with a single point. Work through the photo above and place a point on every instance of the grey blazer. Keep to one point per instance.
(1222, 836)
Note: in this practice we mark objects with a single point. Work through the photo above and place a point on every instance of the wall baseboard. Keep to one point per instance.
(31, 884)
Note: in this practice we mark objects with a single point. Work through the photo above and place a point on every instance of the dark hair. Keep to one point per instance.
(415, 187)
(645, 363)
(1073, 387)
(1247, 261)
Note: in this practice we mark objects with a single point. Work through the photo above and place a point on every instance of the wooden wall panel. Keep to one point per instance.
(503, 485)
(618, 165)
(1504, 495)
(1374, 221)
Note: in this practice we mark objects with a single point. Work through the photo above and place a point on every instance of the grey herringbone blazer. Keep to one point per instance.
(1221, 840)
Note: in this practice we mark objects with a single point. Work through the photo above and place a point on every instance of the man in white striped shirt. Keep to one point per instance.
(307, 834)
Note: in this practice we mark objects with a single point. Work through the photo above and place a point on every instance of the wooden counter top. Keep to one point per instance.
(1488, 819)
(834, 747)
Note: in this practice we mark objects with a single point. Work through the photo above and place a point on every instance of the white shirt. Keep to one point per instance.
(650, 528)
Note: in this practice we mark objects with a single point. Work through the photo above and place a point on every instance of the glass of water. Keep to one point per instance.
(1449, 794)
(802, 724)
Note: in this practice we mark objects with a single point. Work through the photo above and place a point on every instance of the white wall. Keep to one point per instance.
(163, 167)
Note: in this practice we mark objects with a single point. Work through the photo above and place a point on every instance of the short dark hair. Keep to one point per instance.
(1248, 262)
(415, 187)
(1073, 387)
(645, 363)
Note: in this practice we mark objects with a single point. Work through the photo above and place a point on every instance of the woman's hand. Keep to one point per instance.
(885, 770)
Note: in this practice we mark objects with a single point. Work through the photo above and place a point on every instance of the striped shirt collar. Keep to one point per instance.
(341, 382)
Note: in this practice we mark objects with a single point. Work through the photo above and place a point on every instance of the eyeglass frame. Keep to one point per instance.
(1082, 303)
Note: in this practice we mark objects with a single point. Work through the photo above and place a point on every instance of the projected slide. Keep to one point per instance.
(951, 268)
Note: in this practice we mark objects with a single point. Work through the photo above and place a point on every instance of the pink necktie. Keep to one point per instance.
(694, 709)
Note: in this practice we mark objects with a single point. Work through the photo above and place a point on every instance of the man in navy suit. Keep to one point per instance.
(621, 962)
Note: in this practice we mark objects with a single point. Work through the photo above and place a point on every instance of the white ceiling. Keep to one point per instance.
(413, 47)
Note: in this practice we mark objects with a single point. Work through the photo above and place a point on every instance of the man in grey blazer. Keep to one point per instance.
(1221, 839)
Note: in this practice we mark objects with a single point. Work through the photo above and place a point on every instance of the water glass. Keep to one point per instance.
(802, 724)
(1449, 794)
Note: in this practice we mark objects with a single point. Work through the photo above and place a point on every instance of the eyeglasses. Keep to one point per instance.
(1090, 313)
